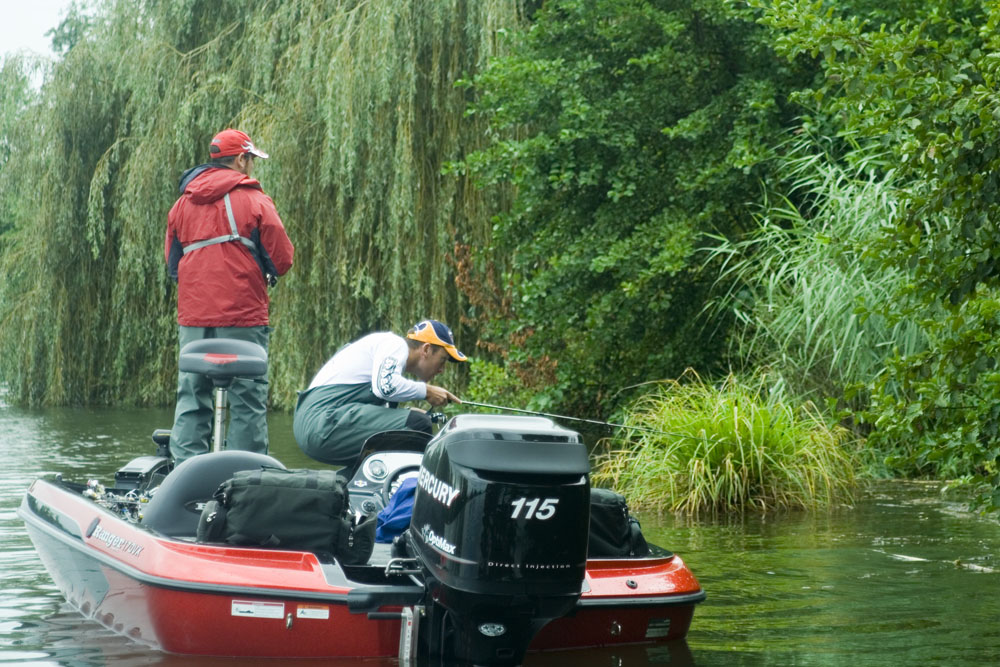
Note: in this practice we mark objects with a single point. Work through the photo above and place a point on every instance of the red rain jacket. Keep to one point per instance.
(223, 285)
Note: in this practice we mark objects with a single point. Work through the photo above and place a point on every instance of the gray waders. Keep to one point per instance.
(192, 431)
(332, 422)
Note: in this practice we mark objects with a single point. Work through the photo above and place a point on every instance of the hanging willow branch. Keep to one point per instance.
(357, 105)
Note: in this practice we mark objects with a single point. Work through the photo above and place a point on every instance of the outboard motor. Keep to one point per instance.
(500, 526)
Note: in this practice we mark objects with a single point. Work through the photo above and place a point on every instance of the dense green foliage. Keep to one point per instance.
(728, 447)
(631, 129)
(640, 208)
(808, 299)
(925, 88)
(357, 105)
(610, 204)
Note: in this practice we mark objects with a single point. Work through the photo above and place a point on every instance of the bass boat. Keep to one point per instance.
(494, 563)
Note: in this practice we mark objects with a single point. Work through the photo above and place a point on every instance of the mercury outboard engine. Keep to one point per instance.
(500, 526)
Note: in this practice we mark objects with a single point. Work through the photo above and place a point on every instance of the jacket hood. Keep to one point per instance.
(207, 183)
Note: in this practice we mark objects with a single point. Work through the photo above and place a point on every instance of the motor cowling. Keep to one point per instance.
(500, 524)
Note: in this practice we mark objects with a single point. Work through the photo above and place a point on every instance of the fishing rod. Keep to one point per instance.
(578, 419)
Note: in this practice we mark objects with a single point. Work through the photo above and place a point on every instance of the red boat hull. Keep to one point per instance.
(195, 599)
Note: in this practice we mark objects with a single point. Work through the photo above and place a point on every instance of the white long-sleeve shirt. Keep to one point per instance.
(378, 358)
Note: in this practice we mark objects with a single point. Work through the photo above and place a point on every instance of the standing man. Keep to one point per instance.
(225, 243)
(354, 395)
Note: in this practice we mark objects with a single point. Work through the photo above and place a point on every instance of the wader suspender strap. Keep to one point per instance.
(234, 236)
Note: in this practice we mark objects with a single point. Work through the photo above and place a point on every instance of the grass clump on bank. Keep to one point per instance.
(727, 447)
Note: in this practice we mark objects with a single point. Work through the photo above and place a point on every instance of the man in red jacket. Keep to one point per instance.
(225, 243)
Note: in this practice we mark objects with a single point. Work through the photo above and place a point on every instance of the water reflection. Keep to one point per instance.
(905, 574)
(855, 586)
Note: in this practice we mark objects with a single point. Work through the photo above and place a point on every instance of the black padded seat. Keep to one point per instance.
(223, 359)
(176, 506)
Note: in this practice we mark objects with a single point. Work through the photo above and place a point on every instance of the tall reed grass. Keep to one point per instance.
(806, 292)
(728, 447)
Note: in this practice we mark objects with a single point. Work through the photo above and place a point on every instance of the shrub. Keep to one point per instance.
(731, 446)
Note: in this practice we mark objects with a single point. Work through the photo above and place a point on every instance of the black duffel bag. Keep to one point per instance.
(303, 510)
(614, 533)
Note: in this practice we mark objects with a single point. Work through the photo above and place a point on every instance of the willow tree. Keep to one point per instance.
(357, 105)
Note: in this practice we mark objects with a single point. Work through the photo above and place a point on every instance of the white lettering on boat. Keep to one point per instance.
(113, 541)
(438, 490)
(436, 540)
(530, 566)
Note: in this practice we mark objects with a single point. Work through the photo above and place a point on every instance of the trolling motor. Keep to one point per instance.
(222, 360)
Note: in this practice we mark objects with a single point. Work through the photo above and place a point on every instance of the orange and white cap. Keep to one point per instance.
(436, 333)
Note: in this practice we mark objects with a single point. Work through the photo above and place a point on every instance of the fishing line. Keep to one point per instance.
(578, 419)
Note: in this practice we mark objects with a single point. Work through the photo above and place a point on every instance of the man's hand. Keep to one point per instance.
(440, 396)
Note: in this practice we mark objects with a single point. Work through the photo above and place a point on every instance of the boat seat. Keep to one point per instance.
(223, 359)
(175, 508)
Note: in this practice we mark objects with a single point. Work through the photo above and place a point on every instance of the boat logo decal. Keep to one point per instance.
(118, 542)
(492, 629)
(258, 609)
(436, 541)
(439, 491)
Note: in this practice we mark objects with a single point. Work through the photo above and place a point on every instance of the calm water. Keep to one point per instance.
(905, 575)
